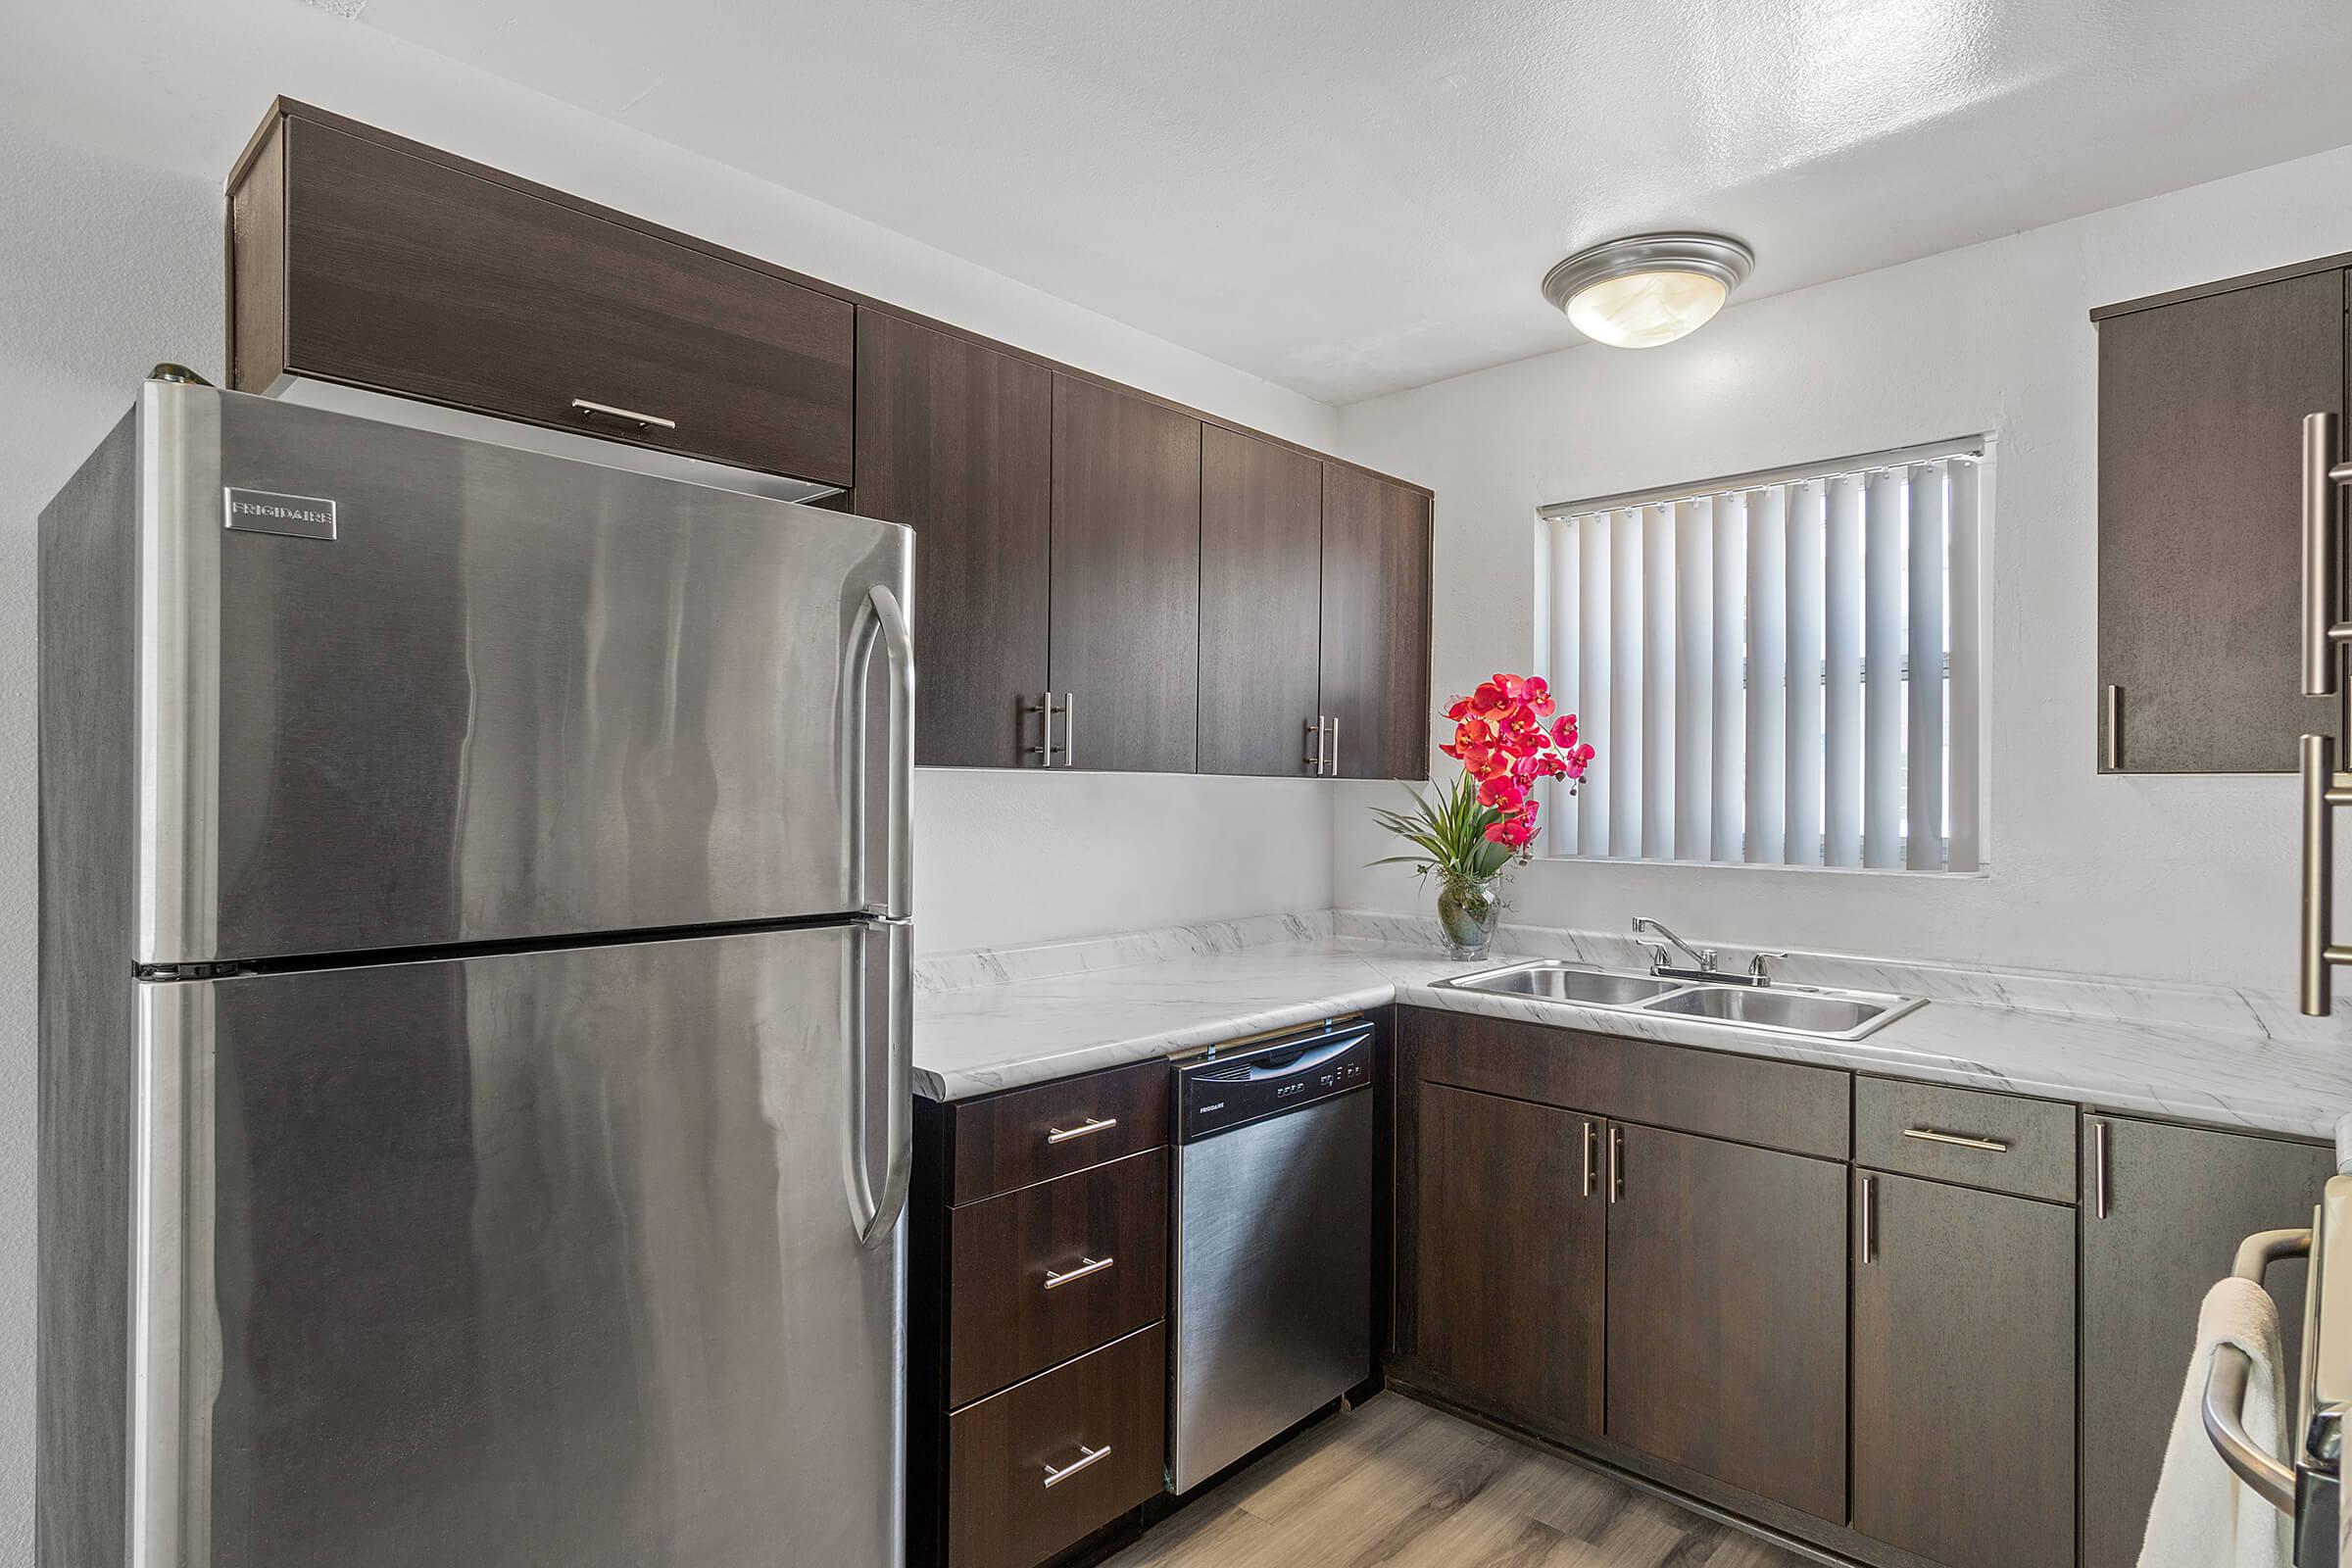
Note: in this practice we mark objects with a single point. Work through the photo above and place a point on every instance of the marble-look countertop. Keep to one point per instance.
(991, 1021)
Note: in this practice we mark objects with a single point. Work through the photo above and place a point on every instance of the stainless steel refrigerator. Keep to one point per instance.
(475, 1007)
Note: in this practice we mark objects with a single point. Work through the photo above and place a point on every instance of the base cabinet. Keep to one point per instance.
(1037, 1365)
(1512, 1260)
(1964, 1373)
(1727, 1313)
(2164, 1208)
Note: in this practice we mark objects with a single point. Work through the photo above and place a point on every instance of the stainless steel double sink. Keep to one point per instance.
(1811, 1011)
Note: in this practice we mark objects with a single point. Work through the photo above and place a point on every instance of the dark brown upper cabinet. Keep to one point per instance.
(2201, 406)
(955, 441)
(1375, 634)
(1262, 591)
(1126, 580)
(356, 260)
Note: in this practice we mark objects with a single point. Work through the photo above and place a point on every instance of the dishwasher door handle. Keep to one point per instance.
(1309, 1059)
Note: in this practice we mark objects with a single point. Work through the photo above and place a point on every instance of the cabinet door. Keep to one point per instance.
(1727, 1309)
(1261, 570)
(2201, 409)
(1511, 1258)
(405, 274)
(2177, 1201)
(1126, 578)
(1963, 1374)
(955, 442)
(1375, 655)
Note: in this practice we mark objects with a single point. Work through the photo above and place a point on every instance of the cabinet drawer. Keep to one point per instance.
(405, 274)
(1053, 1271)
(1999, 1142)
(1017, 1493)
(1715, 1093)
(1031, 1135)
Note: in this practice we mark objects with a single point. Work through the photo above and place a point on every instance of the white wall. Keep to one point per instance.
(110, 261)
(103, 271)
(2190, 877)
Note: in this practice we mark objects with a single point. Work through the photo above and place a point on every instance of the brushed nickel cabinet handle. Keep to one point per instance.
(1616, 1163)
(1314, 758)
(1332, 765)
(1046, 751)
(642, 422)
(2324, 790)
(1929, 1135)
(2322, 609)
(1585, 1189)
(1086, 1456)
(1870, 1217)
(1092, 1265)
(1086, 1129)
(2111, 744)
(2098, 1168)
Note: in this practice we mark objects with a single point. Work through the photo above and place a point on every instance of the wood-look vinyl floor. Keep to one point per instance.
(1402, 1486)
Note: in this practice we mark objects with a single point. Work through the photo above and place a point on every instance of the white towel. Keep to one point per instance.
(2204, 1516)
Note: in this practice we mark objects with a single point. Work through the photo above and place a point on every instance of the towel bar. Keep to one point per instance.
(2225, 1379)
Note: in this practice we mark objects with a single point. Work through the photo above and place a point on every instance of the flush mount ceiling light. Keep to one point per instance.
(1639, 292)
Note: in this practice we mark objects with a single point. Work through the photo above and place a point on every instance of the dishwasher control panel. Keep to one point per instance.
(1231, 1090)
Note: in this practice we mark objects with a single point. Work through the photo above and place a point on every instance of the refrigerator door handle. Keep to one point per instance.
(877, 1212)
(878, 617)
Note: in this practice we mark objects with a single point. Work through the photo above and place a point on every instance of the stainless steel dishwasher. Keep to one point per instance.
(1272, 1317)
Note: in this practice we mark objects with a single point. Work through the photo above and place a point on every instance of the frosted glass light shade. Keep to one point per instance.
(1643, 310)
(1648, 289)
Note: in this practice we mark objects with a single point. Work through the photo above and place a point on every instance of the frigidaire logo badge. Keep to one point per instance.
(267, 512)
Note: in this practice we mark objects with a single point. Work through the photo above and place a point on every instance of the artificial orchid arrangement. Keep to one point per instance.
(1506, 739)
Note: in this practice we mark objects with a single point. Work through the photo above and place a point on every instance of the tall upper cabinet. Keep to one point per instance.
(1261, 596)
(956, 441)
(2201, 403)
(1126, 578)
(1375, 655)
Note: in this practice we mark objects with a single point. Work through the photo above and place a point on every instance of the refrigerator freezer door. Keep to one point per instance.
(402, 690)
(520, 1259)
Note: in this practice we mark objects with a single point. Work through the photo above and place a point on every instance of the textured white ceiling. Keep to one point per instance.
(1344, 196)
(1352, 196)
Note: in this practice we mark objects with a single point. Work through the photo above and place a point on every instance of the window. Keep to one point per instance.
(1776, 668)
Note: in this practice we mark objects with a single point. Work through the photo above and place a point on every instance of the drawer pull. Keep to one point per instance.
(1929, 1135)
(1086, 1456)
(1092, 1126)
(642, 422)
(1092, 1265)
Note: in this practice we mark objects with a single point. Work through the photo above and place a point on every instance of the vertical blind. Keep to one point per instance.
(1780, 668)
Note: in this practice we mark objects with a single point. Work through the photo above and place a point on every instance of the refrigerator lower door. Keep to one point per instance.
(538, 1258)
(400, 689)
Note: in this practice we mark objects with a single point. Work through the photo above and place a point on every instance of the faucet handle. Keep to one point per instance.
(1757, 970)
